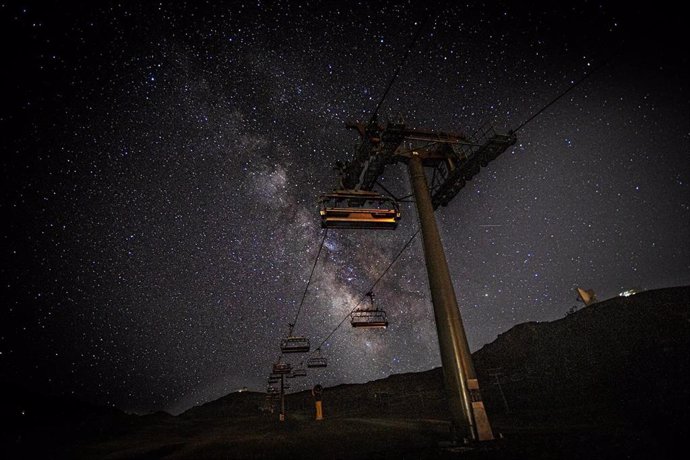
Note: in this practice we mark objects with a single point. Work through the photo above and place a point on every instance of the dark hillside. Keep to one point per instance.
(611, 380)
(627, 357)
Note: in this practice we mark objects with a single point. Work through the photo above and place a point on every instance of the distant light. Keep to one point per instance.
(628, 293)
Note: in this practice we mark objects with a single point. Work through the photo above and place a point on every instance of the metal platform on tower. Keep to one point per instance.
(463, 162)
(455, 157)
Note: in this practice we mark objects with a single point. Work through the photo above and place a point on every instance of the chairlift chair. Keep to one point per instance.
(299, 372)
(317, 361)
(358, 209)
(282, 368)
(371, 317)
(294, 345)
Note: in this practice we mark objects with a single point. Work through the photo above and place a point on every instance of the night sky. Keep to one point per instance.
(161, 166)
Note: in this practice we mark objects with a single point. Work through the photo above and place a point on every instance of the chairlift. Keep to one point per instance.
(352, 209)
(282, 368)
(294, 345)
(371, 318)
(317, 361)
(299, 372)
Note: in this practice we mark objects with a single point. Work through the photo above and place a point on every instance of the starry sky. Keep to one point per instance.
(161, 166)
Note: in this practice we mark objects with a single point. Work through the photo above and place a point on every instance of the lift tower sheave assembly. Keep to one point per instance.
(454, 160)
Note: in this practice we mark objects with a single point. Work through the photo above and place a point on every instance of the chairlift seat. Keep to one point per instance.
(316, 361)
(282, 368)
(369, 319)
(295, 345)
(356, 209)
(299, 373)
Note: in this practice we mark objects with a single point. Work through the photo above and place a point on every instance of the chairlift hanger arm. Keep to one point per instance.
(386, 190)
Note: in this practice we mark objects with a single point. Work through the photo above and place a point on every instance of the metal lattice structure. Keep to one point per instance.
(455, 158)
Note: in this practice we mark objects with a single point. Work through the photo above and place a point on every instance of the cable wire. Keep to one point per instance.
(306, 288)
(368, 290)
(418, 32)
(572, 86)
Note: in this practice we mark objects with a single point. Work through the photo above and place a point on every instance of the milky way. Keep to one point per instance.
(163, 164)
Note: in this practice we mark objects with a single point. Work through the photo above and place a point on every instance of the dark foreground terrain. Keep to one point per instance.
(367, 438)
(609, 381)
(529, 436)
